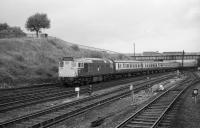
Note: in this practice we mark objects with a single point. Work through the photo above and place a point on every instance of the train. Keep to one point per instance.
(82, 71)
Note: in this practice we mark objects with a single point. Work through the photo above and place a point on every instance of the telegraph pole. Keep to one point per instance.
(183, 58)
(134, 48)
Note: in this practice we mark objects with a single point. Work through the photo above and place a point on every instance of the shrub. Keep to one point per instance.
(12, 32)
(120, 56)
(75, 47)
(19, 58)
(95, 55)
(4, 26)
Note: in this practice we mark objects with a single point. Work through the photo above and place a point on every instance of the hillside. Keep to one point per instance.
(32, 60)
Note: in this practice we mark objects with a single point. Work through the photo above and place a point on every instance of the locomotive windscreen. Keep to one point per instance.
(68, 59)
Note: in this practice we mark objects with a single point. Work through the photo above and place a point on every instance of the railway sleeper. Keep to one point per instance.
(28, 123)
(160, 105)
(155, 109)
(136, 123)
(145, 120)
(153, 112)
(147, 114)
(147, 117)
(130, 126)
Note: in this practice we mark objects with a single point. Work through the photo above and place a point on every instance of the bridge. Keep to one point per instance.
(166, 57)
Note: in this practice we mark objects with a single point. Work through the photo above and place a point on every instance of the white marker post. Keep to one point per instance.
(77, 89)
(132, 94)
(161, 88)
(194, 94)
(177, 73)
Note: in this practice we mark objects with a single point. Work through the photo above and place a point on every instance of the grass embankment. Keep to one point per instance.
(32, 60)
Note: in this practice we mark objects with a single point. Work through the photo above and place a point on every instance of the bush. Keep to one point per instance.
(96, 55)
(75, 47)
(4, 26)
(120, 56)
(9, 32)
(19, 58)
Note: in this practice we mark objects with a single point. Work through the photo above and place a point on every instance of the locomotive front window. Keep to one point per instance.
(80, 65)
(61, 64)
(66, 62)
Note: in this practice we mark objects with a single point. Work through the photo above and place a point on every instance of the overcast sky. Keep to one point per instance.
(153, 25)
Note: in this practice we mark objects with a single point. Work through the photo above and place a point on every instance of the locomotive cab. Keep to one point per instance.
(67, 68)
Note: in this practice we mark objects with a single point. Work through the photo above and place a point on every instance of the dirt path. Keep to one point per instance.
(189, 114)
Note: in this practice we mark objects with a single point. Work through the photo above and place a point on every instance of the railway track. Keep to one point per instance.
(61, 112)
(8, 103)
(158, 112)
(11, 91)
(38, 95)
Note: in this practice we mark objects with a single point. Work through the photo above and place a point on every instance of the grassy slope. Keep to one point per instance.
(25, 60)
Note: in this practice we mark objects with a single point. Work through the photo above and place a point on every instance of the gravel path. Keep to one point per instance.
(189, 114)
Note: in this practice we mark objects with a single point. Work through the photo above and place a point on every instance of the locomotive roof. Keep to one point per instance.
(93, 60)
